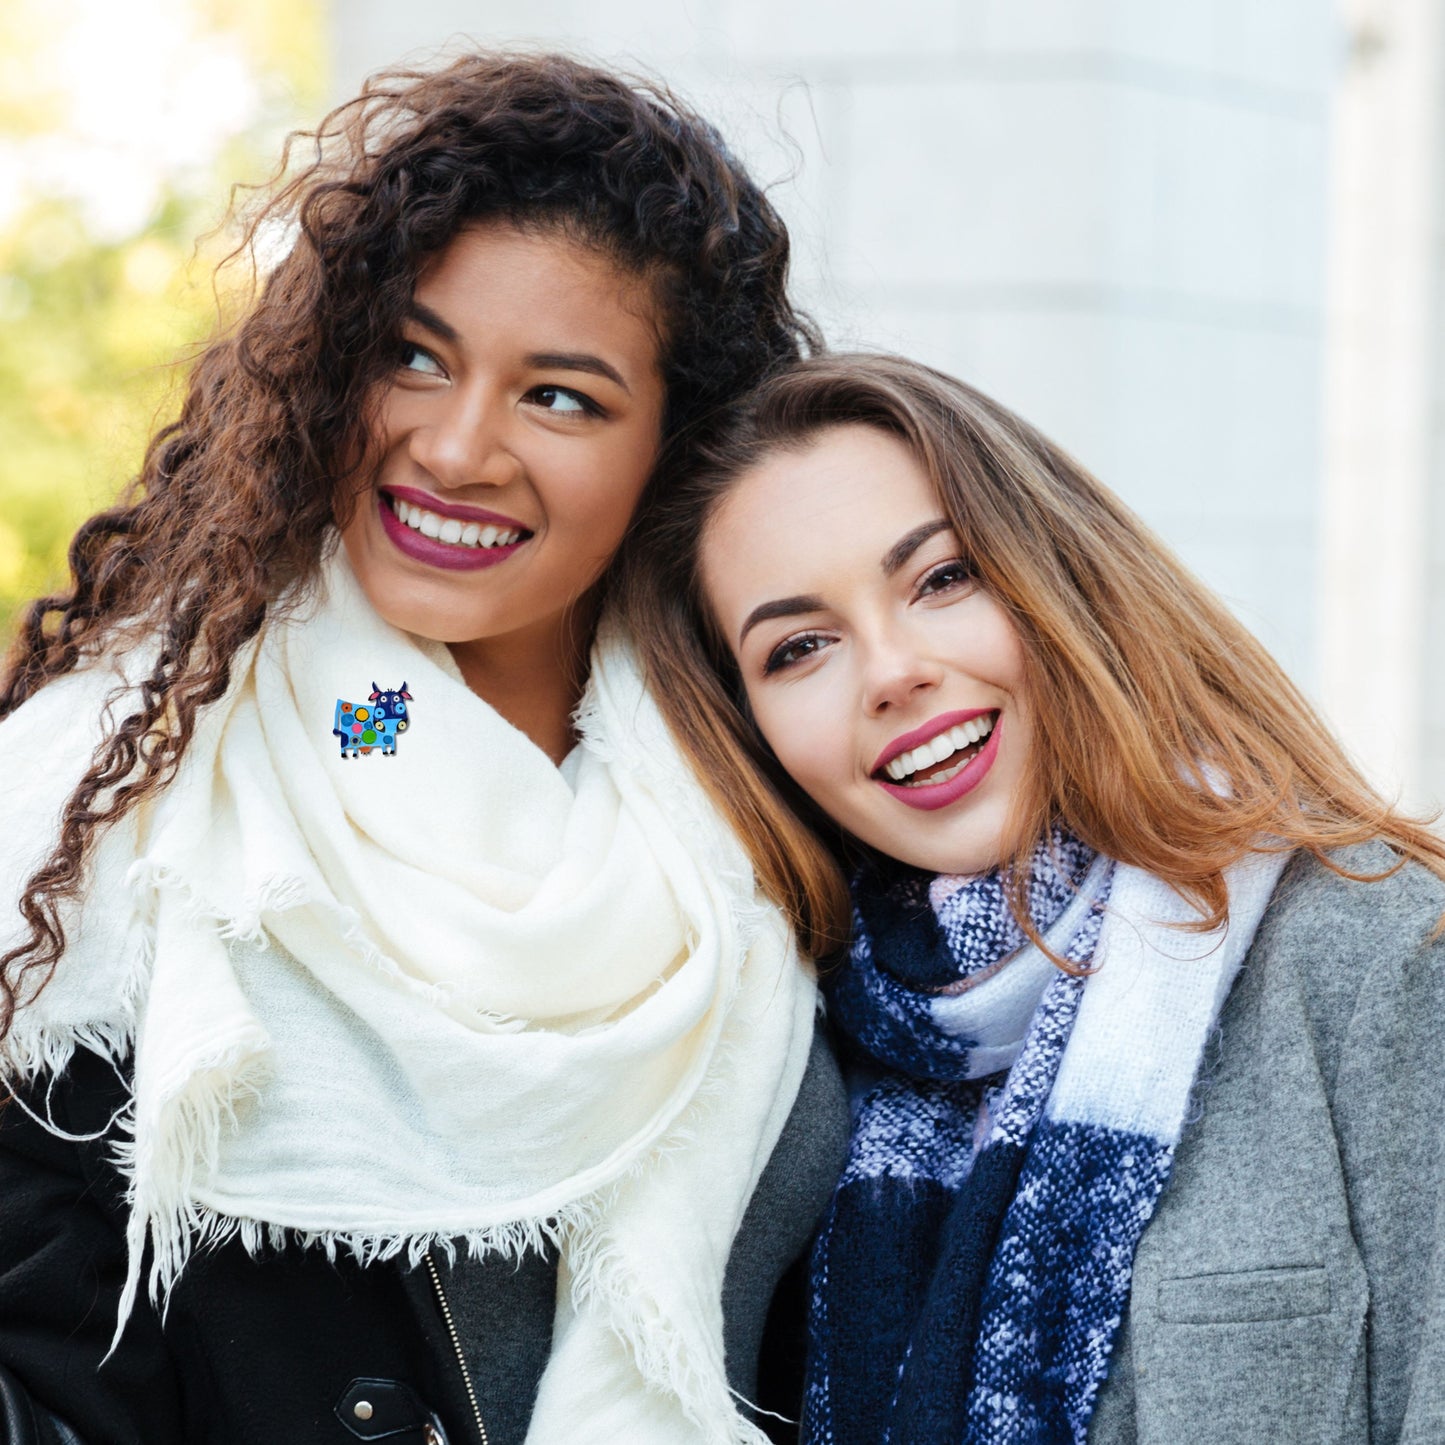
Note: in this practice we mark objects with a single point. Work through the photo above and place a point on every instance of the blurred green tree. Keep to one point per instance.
(109, 238)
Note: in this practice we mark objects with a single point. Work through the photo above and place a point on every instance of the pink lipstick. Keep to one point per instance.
(929, 796)
(926, 734)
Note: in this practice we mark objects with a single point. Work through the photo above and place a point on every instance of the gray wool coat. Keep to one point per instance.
(1291, 1285)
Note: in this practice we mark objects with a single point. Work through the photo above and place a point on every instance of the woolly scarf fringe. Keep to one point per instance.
(175, 1227)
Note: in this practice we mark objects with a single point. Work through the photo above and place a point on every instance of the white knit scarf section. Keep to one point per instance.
(1146, 1014)
(386, 1002)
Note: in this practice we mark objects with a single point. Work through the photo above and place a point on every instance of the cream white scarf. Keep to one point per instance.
(384, 1002)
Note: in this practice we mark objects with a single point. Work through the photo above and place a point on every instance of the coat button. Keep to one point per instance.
(369, 1409)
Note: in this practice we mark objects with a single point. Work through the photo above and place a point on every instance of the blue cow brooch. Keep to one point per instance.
(376, 723)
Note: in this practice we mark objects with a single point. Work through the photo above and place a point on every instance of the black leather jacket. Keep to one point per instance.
(23, 1422)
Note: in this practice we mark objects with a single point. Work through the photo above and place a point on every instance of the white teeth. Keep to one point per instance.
(936, 749)
(948, 773)
(452, 530)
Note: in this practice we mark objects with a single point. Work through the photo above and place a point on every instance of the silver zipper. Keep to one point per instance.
(436, 1281)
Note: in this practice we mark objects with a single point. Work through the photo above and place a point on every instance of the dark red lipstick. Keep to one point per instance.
(449, 556)
(459, 510)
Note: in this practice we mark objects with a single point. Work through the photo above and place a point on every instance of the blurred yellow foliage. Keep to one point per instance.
(92, 325)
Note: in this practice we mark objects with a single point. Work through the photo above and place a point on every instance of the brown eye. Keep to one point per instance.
(794, 650)
(564, 401)
(945, 578)
(418, 359)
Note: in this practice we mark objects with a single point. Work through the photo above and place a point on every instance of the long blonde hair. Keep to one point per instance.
(1166, 736)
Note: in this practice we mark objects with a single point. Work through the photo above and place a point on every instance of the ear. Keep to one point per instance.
(375, 692)
(402, 692)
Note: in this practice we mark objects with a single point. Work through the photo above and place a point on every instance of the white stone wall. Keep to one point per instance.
(1381, 636)
(1428, 779)
(1109, 213)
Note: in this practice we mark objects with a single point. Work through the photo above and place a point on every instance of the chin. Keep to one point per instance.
(402, 612)
(438, 619)
(973, 855)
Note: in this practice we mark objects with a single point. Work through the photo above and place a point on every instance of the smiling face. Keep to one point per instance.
(512, 443)
(889, 685)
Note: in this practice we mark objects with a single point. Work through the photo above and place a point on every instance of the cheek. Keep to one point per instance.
(996, 644)
(360, 549)
(597, 498)
(807, 741)
(1020, 737)
(587, 526)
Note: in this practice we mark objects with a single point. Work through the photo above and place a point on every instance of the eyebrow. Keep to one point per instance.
(434, 323)
(577, 361)
(539, 360)
(783, 607)
(910, 542)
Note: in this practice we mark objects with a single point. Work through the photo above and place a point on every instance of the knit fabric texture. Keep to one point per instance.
(902, 1265)
(1013, 1130)
(1014, 1127)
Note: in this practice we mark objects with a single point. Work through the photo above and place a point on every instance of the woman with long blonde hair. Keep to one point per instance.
(1142, 982)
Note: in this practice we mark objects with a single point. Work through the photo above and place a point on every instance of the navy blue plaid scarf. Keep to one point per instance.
(975, 1263)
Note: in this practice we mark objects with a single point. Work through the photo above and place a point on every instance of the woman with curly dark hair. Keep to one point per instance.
(397, 1041)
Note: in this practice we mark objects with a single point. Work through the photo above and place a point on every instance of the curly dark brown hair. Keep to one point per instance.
(235, 498)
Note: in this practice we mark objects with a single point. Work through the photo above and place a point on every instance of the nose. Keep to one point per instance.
(895, 669)
(467, 443)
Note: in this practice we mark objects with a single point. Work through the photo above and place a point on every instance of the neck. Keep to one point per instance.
(534, 679)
